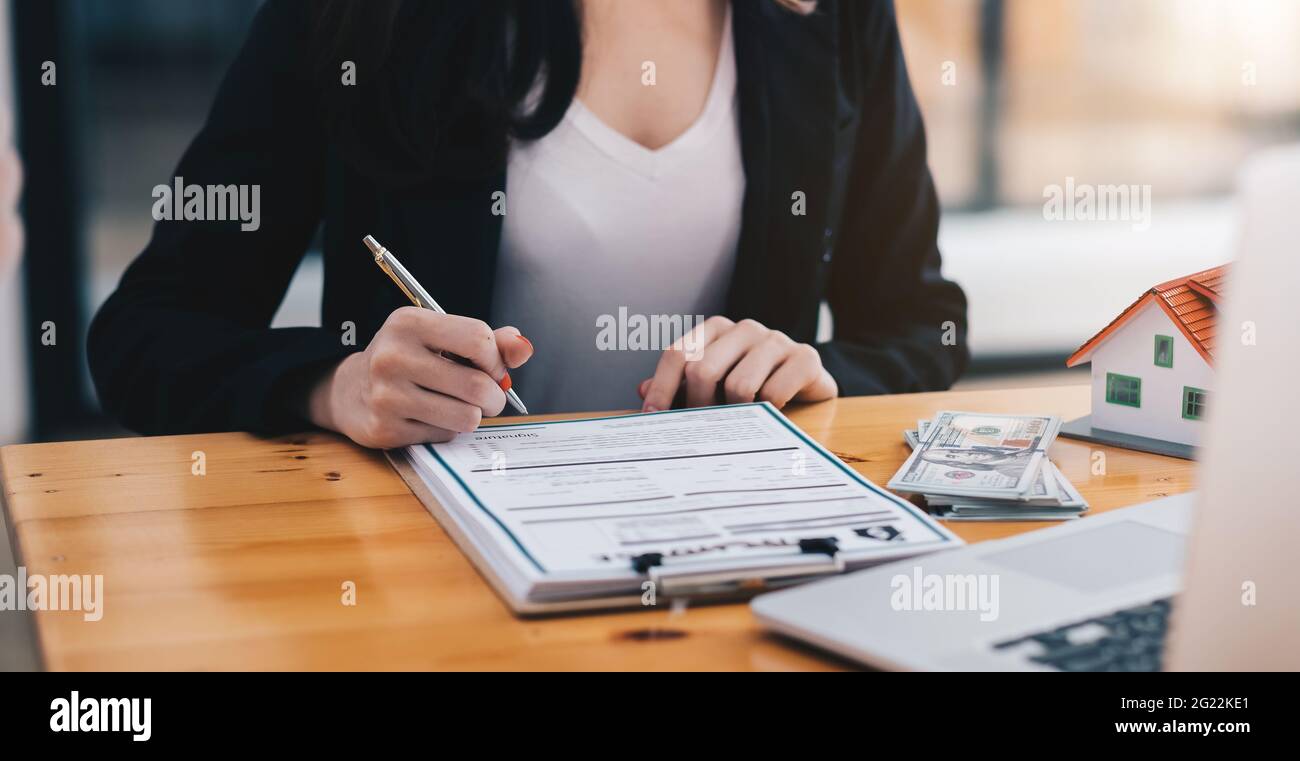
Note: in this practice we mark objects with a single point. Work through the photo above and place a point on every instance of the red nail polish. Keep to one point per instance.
(525, 340)
(505, 382)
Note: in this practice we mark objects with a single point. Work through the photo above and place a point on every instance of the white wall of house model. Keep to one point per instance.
(1130, 351)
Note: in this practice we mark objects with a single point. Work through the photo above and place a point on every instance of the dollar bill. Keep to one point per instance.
(979, 455)
(914, 437)
(1007, 515)
(1069, 495)
(1066, 504)
(1065, 495)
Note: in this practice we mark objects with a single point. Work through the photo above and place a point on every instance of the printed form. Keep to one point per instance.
(582, 498)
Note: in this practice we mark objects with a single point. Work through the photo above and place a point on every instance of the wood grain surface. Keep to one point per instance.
(244, 567)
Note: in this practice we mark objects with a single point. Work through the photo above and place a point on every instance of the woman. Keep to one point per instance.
(554, 165)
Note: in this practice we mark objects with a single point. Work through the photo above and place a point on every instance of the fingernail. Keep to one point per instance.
(505, 382)
(525, 340)
(649, 408)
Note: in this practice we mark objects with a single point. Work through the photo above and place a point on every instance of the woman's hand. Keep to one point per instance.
(744, 361)
(400, 391)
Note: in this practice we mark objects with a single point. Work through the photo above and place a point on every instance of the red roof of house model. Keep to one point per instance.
(1191, 302)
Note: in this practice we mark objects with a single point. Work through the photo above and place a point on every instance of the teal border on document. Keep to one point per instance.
(908, 506)
(818, 448)
(483, 507)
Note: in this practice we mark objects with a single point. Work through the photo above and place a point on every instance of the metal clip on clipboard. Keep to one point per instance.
(816, 557)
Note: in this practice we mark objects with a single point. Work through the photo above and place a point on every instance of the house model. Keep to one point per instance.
(1153, 369)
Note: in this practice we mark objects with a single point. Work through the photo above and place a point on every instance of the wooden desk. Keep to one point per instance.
(243, 568)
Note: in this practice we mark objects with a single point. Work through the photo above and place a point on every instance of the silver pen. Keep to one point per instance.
(421, 298)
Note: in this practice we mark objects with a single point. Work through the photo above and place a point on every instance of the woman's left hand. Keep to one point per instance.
(737, 362)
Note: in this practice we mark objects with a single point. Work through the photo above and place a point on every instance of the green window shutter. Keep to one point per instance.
(1194, 401)
(1164, 351)
(1123, 389)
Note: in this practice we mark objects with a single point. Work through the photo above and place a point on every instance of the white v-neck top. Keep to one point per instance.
(602, 235)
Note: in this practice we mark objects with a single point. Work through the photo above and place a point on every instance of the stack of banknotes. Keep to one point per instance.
(973, 466)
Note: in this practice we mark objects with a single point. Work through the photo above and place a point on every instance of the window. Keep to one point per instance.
(1017, 94)
(1123, 389)
(1194, 402)
(1164, 351)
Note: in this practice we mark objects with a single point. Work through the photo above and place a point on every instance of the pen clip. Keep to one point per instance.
(398, 274)
(383, 265)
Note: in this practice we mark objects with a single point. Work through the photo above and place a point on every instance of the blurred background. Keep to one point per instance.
(1018, 95)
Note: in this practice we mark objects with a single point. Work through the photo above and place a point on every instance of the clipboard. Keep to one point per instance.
(653, 578)
(402, 464)
(699, 583)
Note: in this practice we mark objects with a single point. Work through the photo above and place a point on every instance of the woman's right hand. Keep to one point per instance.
(401, 391)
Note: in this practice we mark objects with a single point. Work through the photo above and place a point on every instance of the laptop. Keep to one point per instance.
(1201, 581)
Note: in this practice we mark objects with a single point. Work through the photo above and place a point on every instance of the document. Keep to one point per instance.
(578, 501)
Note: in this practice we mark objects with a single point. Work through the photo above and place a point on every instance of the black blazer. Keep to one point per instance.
(826, 110)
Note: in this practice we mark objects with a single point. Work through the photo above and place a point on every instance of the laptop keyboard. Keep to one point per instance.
(1132, 639)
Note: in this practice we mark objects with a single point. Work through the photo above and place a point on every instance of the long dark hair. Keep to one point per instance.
(443, 85)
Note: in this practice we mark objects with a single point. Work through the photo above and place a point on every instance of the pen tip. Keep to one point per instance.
(373, 245)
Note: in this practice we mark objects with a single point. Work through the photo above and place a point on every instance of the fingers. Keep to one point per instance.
(393, 406)
(402, 390)
(388, 431)
(748, 376)
(821, 389)
(673, 362)
(802, 370)
(414, 432)
(513, 347)
(438, 410)
(746, 360)
(698, 338)
(403, 433)
(449, 378)
(463, 336)
(663, 386)
(704, 376)
(395, 363)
